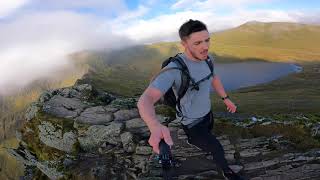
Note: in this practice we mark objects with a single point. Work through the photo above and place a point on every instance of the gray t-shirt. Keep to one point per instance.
(194, 104)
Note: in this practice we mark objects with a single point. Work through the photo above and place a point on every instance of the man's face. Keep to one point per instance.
(197, 45)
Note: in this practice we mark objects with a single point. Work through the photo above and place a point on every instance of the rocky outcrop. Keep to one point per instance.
(79, 132)
(53, 137)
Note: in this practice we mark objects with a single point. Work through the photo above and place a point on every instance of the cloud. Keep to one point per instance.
(128, 15)
(165, 27)
(101, 6)
(309, 18)
(185, 4)
(36, 45)
(9, 7)
(160, 28)
(214, 4)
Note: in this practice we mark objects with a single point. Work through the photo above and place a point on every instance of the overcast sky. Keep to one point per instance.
(35, 35)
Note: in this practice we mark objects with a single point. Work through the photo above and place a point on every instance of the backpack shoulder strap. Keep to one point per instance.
(185, 80)
(180, 62)
(210, 64)
(195, 85)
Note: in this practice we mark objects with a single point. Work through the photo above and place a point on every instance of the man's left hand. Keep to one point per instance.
(230, 106)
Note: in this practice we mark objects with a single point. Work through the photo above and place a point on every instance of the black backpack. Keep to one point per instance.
(186, 81)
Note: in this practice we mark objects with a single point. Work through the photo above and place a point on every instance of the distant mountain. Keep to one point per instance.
(277, 41)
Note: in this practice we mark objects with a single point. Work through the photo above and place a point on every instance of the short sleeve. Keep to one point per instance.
(165, 80)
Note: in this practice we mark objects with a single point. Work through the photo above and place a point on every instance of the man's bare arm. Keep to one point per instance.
(217, 85)
(147, 113)
(146, 106)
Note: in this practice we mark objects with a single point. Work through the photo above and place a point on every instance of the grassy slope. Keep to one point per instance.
(270, 41)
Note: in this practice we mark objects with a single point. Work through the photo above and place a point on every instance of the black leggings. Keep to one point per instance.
(200, 135)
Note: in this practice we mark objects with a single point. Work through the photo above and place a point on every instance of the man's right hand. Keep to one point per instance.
(159, 132)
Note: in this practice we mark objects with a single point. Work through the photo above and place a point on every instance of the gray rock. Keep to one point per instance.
(48, 170)
(32, 110)
(52, 136)
(249, 153)
(83, 87)
(138, 126)
(236, 168)
(23, 155)
(141, 162)
(18, 135)
(127, 141)
(143, 150)
(30, 160)
(63, 107)
(96, 135)
(67, 162)
(45, 96)
(65, 92)
(99, 171)
(123, 115)
(111, 109)
(70, 93)
(95, 116)
(315, 131)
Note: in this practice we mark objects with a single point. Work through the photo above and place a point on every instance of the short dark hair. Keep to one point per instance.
(190, 27)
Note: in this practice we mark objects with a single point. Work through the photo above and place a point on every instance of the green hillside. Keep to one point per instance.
(128, 71)
(271, 41)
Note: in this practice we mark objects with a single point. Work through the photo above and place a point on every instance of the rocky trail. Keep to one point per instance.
(80, 133)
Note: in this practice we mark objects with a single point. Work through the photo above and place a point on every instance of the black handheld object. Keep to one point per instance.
(165, 159)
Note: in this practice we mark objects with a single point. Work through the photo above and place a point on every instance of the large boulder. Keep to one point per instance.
(53, 136)
(125, 114)
(63, 107)
(138, 127)
(96, 135)
(98, 115)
